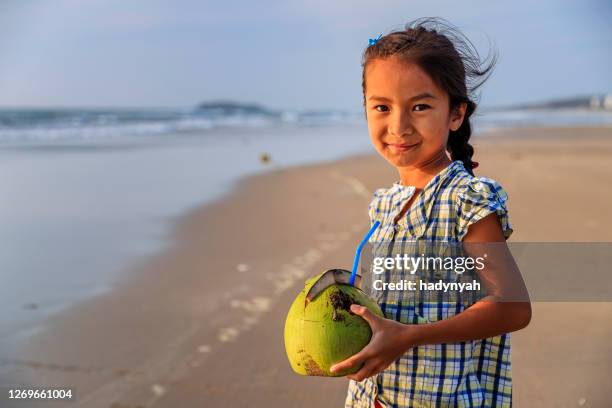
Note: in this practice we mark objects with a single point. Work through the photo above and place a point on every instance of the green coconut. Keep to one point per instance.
(324, 331)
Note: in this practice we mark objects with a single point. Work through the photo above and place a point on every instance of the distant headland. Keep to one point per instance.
(227, 108)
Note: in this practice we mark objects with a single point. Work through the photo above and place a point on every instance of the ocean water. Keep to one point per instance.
(86, 193)
(46, 125)
(75, 214)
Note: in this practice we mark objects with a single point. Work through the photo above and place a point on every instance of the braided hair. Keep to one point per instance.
(453, 63)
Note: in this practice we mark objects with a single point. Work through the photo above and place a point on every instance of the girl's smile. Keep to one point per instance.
(401, 147)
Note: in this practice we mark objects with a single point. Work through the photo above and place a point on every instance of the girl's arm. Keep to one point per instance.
(486, 318)
(494, 314)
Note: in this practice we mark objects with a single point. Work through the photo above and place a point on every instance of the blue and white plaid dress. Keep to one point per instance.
(467, 374)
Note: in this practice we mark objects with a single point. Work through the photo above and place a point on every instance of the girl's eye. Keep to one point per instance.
(382, 108)
(421, 107)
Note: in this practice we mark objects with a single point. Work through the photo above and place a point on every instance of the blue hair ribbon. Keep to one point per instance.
(373, 41)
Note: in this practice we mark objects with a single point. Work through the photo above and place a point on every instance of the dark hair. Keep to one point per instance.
(452, 62)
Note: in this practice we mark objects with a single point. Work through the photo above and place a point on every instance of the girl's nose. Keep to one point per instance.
(401, 125)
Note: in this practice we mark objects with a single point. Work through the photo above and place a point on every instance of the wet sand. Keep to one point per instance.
(201, 323)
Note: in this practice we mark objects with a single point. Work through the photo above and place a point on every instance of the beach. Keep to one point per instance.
(199, 322)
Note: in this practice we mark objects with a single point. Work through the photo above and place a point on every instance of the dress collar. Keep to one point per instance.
(451, 169)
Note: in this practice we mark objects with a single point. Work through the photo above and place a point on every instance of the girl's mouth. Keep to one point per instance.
(402, 147)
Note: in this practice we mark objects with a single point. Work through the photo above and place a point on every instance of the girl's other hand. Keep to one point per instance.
(390, 339)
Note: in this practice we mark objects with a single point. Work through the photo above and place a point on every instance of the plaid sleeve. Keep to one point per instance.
(377, 206)
(482, 196)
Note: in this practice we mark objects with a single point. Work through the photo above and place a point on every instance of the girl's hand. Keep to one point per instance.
(390, 339)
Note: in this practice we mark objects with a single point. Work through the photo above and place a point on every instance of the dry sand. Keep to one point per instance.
(201, 324)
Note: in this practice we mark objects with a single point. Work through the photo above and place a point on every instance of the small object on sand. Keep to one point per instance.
(265, 158)
(582, 401)
(30, 306)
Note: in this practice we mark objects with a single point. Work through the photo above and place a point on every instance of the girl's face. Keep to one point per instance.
(408, 115)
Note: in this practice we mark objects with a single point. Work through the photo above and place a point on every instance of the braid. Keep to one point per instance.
(458, 141)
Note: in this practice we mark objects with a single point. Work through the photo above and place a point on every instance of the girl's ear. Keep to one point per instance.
(457, 116)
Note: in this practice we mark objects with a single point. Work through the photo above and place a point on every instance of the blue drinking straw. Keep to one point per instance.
(359, 248)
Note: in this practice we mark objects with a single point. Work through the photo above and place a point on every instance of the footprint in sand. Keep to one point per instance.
(290, 273)
(355, 185)
(250, 320)
(288, 276)
(227, 334)
(242, 267)
(255, 305)
(204, 348)
(158, 390)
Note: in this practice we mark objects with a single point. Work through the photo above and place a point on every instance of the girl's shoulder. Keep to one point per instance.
(466, 188)
(476, 197)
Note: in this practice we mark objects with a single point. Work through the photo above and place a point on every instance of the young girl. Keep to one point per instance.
(417, 85)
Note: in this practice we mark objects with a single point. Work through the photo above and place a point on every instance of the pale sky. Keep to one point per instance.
(285, 54)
